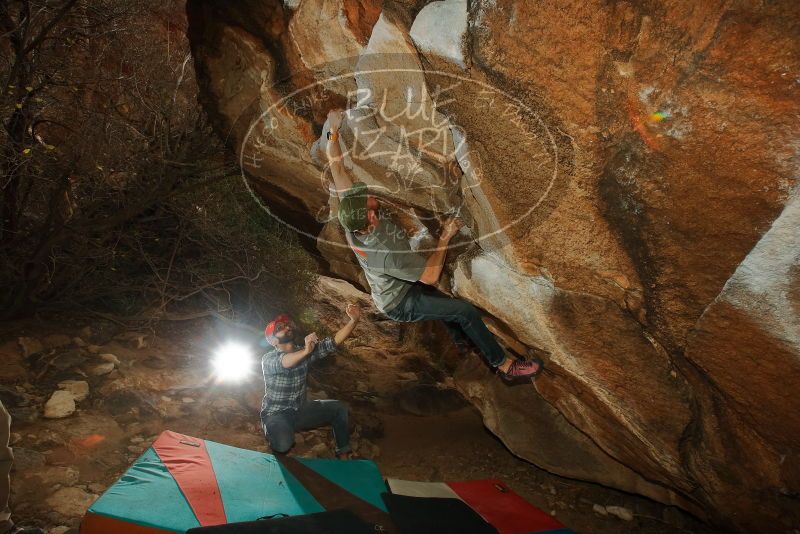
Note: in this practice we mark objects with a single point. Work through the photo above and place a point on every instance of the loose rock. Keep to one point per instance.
(28, 459)
(135, 339)
(108, 357)
(70, 502)
(55, 341)
(102, 369)
(67, 360)
(124, 401)
(30, 346)
(28, 414)
(52, 476)
(320, 449)
(370, 450)
(620, 512)
(60, 405)
(78, 388)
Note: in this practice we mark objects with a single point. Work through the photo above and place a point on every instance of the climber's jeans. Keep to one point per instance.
(6, 458)
(280, 427)
(460, 317)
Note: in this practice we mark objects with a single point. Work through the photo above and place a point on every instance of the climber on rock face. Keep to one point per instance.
(394, 270)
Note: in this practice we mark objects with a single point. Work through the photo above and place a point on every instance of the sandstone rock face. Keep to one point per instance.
(440, 30)
(628, 175)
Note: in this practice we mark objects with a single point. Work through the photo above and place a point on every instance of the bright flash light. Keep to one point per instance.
(233, 362)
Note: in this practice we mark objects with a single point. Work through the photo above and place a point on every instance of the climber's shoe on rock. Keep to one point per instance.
(522, 369)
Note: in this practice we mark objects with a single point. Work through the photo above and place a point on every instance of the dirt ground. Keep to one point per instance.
(405, 415)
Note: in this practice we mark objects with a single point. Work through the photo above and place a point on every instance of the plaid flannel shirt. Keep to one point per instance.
(286, 388)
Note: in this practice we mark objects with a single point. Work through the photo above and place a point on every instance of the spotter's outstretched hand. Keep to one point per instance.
(353, 311)
(335, 118)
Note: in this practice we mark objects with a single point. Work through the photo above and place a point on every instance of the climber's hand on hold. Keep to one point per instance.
(333, 150)
(450, 228)
(435, 262)
(353, 312)
(335, 117)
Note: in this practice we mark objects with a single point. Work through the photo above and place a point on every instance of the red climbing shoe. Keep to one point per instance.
(522, 369)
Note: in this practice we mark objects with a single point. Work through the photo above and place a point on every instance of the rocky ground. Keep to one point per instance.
(88, 396)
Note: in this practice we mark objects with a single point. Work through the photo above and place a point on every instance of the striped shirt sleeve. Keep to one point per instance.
(271, 363)
(325, 347)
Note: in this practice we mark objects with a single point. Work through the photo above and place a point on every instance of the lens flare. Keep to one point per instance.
(233, 361)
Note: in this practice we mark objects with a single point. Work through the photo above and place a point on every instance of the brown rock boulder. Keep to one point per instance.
(628, 175)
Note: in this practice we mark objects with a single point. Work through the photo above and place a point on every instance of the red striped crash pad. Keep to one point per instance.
(495, 502)
(182, 482)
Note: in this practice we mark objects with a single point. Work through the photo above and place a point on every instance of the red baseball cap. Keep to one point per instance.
(276, 325)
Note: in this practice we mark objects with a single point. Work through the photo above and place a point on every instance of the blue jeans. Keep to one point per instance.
(279, 428)
(460, 317)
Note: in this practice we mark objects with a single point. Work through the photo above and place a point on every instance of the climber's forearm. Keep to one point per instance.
(341, 178)
(435, 264)
(345, 331)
